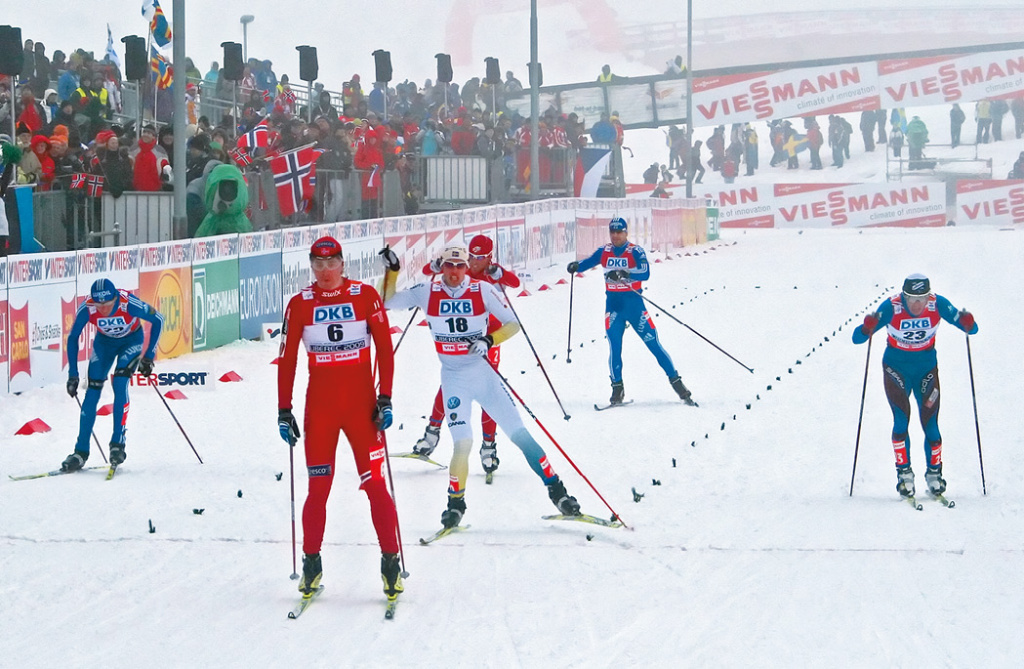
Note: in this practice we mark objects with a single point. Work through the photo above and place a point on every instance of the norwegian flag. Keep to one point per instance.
(289, 96)
(255, 138)
(78, 181)
(293, 179)
(94, 185)
(241, 157)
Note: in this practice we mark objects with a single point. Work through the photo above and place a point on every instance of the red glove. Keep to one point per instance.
(870, 323)
(967, 320)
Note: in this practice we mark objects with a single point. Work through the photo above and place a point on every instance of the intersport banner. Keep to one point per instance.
(910, 82)
(991, 202)
(833, 205)
(741, 98)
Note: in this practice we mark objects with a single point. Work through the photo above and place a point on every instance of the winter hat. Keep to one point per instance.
(618, 224)
(49, 91)
(481, 246)
(103, 290)
(104, 136)
(58, 139)
(917, 285)
(325, 247)
(456, 255)
(40, 139)
(60, 130)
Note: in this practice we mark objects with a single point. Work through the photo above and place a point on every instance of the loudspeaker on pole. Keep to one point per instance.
(136, 65)
(382, 63)
(444, 68)
(12, 57)
(308, 66)
(234, 68)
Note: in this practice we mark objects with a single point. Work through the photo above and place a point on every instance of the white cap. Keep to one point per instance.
(455, 254)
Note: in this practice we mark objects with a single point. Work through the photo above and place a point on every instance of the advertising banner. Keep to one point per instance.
(295, 270)
(40, 310)
(165, 282)
(215, 292)
(741, 98)
(259, 282)
(5, 342)
(120, 265)
(586, 103)
(940, 80)
(990, 202)
(832, 205)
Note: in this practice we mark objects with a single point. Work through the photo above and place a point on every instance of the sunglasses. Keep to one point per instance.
(474, 256)
(328, 262)
(453, 265)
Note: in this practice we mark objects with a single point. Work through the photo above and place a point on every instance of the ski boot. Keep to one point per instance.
(936, 484)
(74, 462)
(566, 504)
(681, 390)
(452, 516)
(618, 392)
(489, 457)
(117, 455)
(391, 574)
(428, 443)
(311, 573)
(905, 483)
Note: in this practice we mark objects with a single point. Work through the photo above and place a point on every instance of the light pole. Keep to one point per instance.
(689, 93)
(246, 20)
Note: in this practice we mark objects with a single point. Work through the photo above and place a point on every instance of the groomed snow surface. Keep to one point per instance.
(749, 549)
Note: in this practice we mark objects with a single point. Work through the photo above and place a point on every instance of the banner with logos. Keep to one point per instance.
(943, 80)
(165, 282)
(215, 292)
(5, 343)
(989, 201)
(40, 310)
(832, 205)
(260, 294)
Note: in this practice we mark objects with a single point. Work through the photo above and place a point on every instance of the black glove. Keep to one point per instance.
(481, 345)
(390, 259)
(146, 367)
(287, 426)
(618, 275)
(73, 386)
(382, 415)
(573, 267)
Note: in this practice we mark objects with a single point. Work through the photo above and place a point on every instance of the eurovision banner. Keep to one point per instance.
(40, 310)
(990, 202)
(259, 283)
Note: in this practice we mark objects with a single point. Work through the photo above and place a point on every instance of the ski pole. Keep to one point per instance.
(411, 319)
(539, 363)
(291, 479)
(97, 441)
(162, 399)
(860, 416)
(974, 399)
(615, 515)
(568, 343)
(720, 349)
(391, 478)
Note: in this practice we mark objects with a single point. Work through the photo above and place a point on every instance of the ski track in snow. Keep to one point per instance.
(751, 543)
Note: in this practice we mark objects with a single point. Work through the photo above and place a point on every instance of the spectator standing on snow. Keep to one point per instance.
(956, 121)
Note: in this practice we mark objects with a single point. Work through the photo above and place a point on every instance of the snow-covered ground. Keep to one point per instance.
(745, 544)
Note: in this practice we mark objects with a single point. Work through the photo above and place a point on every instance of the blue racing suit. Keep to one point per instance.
(910, 365)
(119, 337)
(623, 304)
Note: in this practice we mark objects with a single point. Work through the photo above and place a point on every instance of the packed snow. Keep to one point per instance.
(745, 542)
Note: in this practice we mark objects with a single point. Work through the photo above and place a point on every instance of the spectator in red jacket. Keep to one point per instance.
(370, 161)
(148, 165)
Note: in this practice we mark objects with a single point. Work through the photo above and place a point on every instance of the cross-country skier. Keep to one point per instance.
(481, 268)
(458, 310)
(117, 316)
(336, 318)
(910, 364)
(625, 266)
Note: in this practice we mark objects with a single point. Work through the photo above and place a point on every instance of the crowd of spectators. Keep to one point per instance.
(70, 120)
